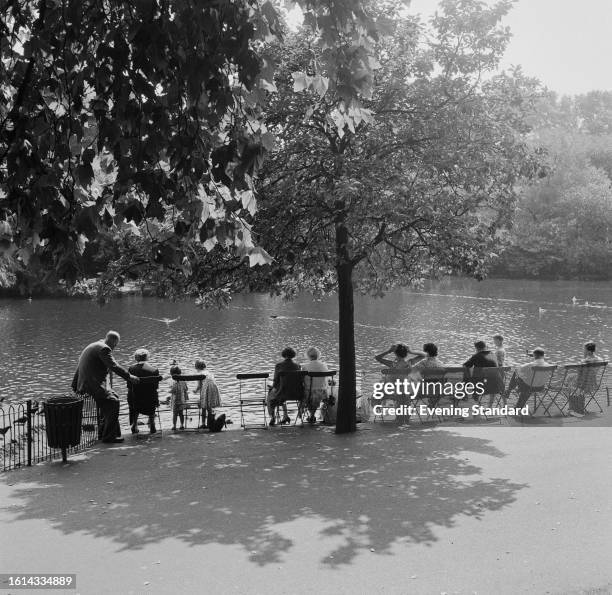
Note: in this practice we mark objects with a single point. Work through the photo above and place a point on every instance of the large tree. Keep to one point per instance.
(413, 183)
(117, 111)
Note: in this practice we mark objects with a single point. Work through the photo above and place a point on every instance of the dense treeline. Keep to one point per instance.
(562, 227)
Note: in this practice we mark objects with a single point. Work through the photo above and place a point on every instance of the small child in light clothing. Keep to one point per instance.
(209, 394)
(179, 394)
(500, 352)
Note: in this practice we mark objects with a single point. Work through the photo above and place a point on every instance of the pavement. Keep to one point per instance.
(457, 508)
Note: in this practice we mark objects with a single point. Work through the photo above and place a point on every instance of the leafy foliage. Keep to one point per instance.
(414, 182)
(120, 111)
(563, 223)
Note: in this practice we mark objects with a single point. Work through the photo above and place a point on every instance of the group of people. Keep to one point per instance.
(524, 380)
(96, 361)
(287, 385)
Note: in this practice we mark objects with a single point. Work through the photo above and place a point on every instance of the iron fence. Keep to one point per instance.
(24, 436)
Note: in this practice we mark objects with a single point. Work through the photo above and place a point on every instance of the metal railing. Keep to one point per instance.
(23, 437)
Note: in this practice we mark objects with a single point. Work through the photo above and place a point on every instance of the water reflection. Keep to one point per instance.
(42, 339)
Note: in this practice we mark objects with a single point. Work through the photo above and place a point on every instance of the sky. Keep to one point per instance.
(567, 44)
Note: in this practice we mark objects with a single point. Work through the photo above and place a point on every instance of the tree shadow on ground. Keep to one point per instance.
(366, 491)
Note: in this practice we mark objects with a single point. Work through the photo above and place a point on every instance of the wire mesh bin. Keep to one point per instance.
(63, 419)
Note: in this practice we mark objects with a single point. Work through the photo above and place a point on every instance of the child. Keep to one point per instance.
(179, 394)
(209, 394)
(500, 352)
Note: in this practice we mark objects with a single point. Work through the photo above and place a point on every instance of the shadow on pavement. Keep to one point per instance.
(364, 491)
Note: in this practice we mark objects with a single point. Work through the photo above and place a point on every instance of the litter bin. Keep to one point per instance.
(63, 417)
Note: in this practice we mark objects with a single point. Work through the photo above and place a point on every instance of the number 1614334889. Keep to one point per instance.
(14, 581)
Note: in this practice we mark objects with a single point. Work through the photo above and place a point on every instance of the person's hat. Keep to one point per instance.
(538, 351)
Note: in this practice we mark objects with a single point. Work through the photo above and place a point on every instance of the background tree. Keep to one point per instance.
(563, 223)
(413, 183)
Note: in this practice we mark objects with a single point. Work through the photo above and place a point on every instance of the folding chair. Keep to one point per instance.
(291, 385)
(580, 381)
(399, 399)
(250, 403)
(561, 390)
(433, 380)
(494, 380)
(538, 384)
(590, 381)
(303, 404)
(452, 375)
(151, 380)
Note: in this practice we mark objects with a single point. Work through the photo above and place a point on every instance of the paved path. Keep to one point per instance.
(453, 509)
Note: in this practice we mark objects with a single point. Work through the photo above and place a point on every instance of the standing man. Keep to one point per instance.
(95, 362)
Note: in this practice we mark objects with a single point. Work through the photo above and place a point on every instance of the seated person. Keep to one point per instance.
(286, 387)
(585, 381)
(483, 358)
(401, 360)
(524, 379)
(428, 364)
(403, 364)
(430, 350)
(143, 397)
(315, 389)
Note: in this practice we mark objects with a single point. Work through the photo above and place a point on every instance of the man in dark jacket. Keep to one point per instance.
(483, 358)
(95, 362)
(143, 398)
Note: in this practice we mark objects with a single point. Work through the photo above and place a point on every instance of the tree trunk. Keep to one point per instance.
(346, 414)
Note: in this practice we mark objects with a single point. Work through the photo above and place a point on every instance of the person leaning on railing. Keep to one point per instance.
(95, 362)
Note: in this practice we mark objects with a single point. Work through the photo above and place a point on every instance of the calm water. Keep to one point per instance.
(42, 339)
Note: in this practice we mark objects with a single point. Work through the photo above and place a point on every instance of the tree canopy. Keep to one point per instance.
(414, 182)
(121, 111)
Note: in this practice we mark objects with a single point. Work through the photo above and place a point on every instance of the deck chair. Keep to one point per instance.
(291, 386)
(538, 383)
(250, 401)
(561, 390)
(494, 380)
(580, 382)
(144, 380)
(399, 400)
(431, 393)
(453, 375)
(303, 404)
(590, 381)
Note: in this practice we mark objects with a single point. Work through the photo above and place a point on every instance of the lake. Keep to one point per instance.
(42, 339)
